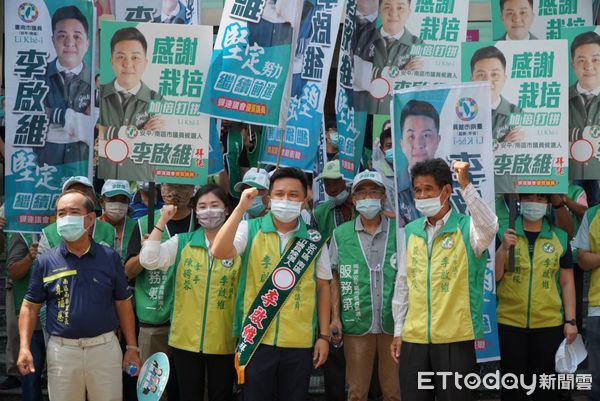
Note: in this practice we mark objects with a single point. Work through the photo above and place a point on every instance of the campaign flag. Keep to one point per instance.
(49, 103)
(150, 127)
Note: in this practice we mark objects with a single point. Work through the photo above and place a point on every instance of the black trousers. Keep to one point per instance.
(275, 370)
(528, 352)
(191, 368)
(453, 357)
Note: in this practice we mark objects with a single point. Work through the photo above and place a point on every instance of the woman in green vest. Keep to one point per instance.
(536, 299)
(201, 322)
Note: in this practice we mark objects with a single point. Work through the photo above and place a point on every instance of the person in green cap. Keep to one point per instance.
(255, 178)
(115, 198)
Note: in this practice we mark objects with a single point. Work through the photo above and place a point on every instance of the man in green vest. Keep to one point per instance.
(102, 232)
(154, 289)
(363, 251)
(283, 291)
(22, 253)
(587, 243)
(339, 208)
(584, 105)
(438, 299)
(115, 198)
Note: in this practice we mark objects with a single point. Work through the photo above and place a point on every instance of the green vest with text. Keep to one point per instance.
(355, 281)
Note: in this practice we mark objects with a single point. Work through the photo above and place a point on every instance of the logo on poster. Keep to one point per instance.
(28, 12)
(466, 108)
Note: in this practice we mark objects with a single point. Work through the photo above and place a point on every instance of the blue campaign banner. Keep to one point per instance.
(215, 152)
(49, 102)
(153, 377)
(250, 76)
(452, 122)
(312, 61)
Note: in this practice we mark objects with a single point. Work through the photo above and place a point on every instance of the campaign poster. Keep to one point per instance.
(310, 73)
(538, 19)
(250, 76)
(529, 96)
(49, 105)
(389, 45)
(150, 127)
(584, 103)
(160, 11)
(452, 122)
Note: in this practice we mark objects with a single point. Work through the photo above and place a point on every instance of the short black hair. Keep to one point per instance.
(488, 52)
(586, 38)
(504, 1)
(290, 172)
(214, 189)
(409, 1)
(419, 108)
(69, 12)
(437, 168)
(385, 134)
(129, 33)
(547, 196)
(88, 203)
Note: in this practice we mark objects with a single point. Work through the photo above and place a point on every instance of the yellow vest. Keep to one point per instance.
(294, 326)
(205, 290)
(593, 216)
(445, 286)
(530, 297)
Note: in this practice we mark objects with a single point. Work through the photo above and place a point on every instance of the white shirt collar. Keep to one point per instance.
(397, 36)
(582, 91)
(133, 90)
(164, 17)
(496, 103)
(509, 38)
(439, 223)
(76, 70)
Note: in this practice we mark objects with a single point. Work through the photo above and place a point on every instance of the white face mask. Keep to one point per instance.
(429, 207)
(285, 210)
(115, 211)
(533, 211)
(210, 218)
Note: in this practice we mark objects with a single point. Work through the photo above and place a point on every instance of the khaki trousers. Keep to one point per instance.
(360, 354)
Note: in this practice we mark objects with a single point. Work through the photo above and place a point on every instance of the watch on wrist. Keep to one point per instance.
(134, 347)
(325, 337)
(572, 322)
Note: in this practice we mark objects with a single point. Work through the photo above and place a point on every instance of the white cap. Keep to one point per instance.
(78, 179)
(115, 187)
(569, 356)
(255, 177)
(367, 175)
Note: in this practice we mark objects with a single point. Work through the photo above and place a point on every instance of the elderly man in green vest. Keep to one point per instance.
(587, 243)
(115, 198)
(102, 232)
(438, 299)
(363, 251)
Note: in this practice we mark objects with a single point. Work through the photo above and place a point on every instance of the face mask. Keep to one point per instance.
(334, 138)
(340, 198)
(368, 208)
(210, 218)
(429, 207)
(389, 156)
(257, 207)
(285, 210)
(70, 228)
(533, 211)
(115, 211)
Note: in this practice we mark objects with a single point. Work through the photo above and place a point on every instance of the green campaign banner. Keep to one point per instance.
(150, 127)
(529, 95)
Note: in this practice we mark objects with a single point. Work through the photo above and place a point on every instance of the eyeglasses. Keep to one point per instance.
(368, 194)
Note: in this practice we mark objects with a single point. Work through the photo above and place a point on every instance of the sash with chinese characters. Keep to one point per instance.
(273, 295)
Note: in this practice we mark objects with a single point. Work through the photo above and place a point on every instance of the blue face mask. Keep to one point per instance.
(257, 207)
(368, 208)
(340, 198)
(334, 138)
(70, 228)
(389, 156)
